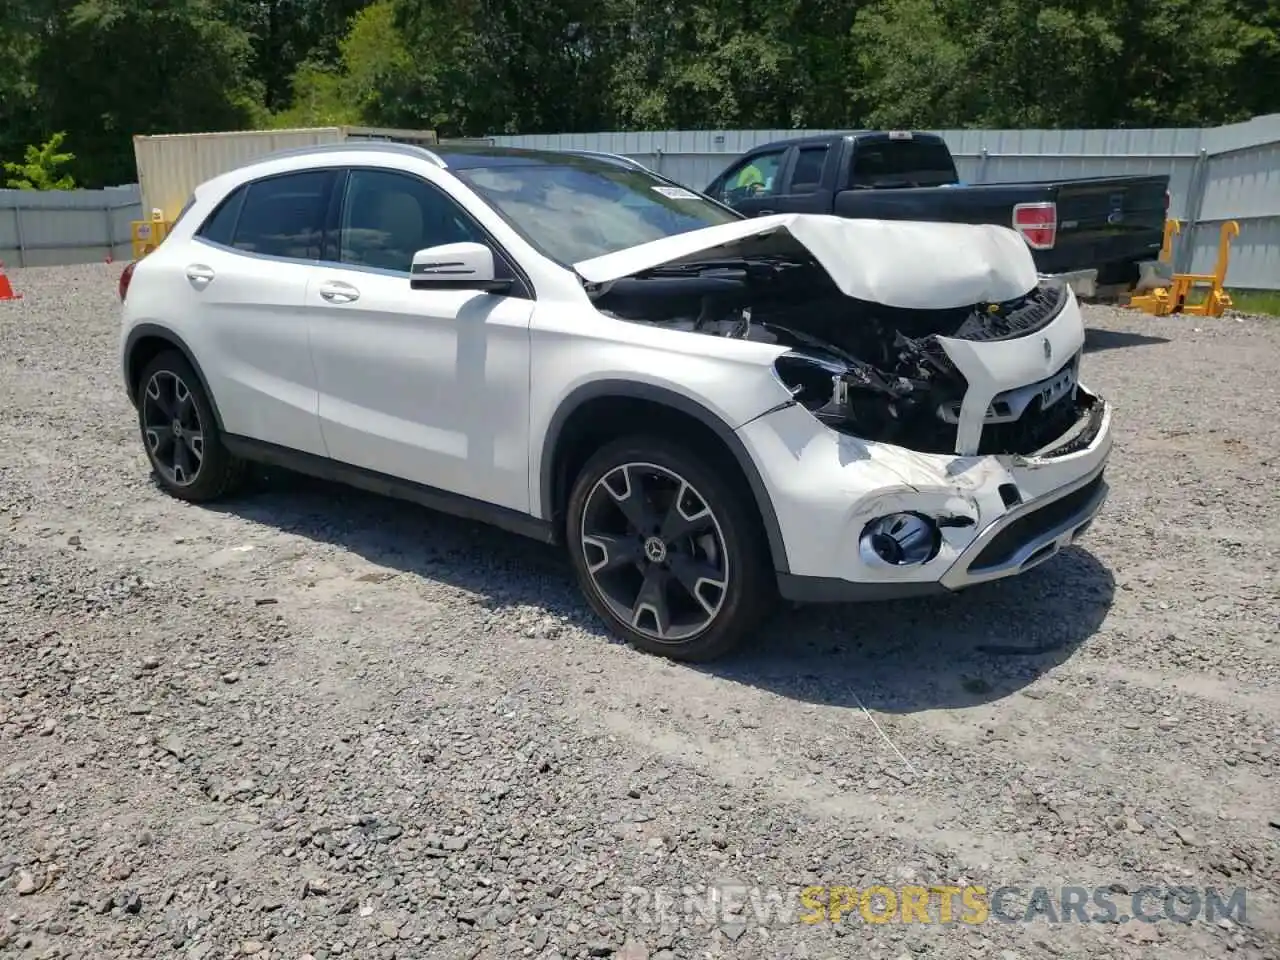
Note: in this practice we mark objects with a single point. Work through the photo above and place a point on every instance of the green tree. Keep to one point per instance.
(492, 66)
(286, 34)
(20, 25)
(105, 70)
(39, 169)
(1066, 63)
(367, 83)
(111, 69)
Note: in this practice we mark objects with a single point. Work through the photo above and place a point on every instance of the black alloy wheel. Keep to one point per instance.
(172, 428)
(666, 551)
(180, 432)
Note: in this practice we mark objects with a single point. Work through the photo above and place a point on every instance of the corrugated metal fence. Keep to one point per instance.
(40, 228)
(1216, 174)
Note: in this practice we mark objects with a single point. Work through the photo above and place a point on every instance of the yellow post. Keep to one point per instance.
(1171, 228)
(1217, 301)
(1230, 230)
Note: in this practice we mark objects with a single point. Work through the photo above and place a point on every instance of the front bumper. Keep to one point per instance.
(1023, 538)
(1007, 513)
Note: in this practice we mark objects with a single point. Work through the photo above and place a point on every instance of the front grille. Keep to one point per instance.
(1036, 428)
(1017, 420)
(1033, 526)
(1012, 404)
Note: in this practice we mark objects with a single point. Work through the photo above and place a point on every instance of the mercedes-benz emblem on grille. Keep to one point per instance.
(1048, 349)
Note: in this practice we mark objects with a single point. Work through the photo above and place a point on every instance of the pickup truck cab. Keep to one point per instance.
(1090, 232)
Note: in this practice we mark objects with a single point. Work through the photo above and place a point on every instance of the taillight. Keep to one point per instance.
(1166, 203)
(125, 277)
(1038, 224)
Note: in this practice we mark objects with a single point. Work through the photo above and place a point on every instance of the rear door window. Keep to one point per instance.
(807, 175)
(281, 216)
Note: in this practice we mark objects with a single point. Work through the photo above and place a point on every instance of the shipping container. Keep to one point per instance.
(170, 166)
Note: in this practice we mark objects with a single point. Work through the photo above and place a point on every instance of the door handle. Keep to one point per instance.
(335, 291)
(765, 213)
(199, 274)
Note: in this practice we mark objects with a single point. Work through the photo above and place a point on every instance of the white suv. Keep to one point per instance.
(709, 411)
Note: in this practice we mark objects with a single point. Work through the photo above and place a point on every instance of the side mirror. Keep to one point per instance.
(456, 266)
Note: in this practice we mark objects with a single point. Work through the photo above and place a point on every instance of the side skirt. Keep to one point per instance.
(389, 486)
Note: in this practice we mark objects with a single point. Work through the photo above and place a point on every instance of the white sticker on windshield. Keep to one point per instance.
(675, 193)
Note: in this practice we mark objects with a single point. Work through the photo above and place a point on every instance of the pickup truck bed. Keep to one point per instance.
(1093, 231)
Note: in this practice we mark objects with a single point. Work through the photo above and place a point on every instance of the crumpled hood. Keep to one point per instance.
(898, 263)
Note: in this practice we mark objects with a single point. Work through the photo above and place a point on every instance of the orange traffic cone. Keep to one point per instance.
(6, 288)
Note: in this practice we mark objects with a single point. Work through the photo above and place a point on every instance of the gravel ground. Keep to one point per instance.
(315, 722)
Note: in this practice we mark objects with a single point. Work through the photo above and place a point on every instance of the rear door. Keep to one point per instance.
(808, 178)
(244, 282)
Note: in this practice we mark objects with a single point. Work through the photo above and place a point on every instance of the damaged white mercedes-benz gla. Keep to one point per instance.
(710, 412)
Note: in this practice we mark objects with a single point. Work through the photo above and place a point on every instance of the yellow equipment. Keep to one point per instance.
(147, 234)
(1173, 299)
(1218, 301)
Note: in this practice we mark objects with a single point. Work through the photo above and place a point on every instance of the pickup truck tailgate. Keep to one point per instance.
(1105, 221)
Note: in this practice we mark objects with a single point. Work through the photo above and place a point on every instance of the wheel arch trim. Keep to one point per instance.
(148, 330)
(635, 390)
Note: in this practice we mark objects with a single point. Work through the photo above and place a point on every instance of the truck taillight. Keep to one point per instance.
(1167, 198)
(1038, 224)
(125, 278)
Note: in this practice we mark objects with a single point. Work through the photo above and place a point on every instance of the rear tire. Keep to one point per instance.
(180, 433)
(668, 549)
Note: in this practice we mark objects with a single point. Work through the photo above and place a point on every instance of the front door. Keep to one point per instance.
(427, 386)
(751, 185)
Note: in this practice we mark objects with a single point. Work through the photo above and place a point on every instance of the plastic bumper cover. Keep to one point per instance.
(1009, 513)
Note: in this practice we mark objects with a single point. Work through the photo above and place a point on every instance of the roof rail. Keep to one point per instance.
(354, 146)
(615, 157)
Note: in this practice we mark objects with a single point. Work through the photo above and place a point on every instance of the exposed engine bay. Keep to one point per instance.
(869, 370)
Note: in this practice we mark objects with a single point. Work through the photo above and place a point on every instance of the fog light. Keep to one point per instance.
(900, 540)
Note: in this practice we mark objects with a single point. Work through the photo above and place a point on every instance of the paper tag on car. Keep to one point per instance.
(676, 193)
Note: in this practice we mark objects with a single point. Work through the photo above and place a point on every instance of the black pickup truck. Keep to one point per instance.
(1091, 232)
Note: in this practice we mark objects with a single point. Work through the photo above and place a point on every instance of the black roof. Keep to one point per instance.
(821, 139)
(470, 156)
(464, 156)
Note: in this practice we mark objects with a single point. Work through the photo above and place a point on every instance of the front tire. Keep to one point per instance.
(668, 549)
(180, 433)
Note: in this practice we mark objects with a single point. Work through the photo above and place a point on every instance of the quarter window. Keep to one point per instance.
(387, 217)
(221, 225)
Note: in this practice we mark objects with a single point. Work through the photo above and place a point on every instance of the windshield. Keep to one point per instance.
(577, 211)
